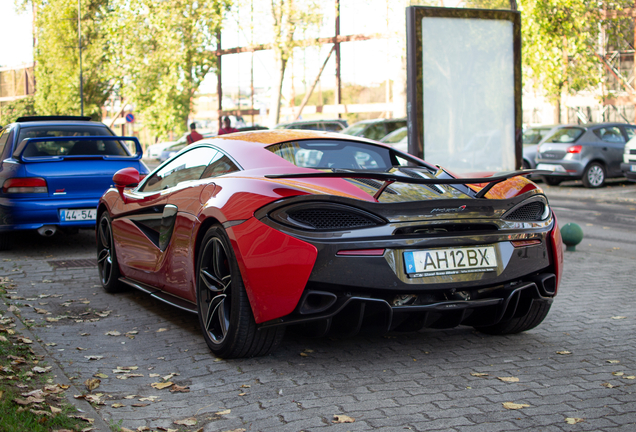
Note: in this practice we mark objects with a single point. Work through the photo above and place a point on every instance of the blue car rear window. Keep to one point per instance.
(70, 147)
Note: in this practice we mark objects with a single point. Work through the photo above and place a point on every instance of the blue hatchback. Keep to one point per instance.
(53, 170)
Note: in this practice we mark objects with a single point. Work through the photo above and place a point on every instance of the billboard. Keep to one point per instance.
(464, 88)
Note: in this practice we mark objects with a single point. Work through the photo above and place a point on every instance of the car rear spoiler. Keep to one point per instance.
(20, 149)
(392, 178)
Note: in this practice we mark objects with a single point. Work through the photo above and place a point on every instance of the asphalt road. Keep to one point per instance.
(578, 367)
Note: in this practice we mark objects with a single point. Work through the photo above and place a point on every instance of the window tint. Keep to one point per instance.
(566, 135)
(327, 154)
(189, 166)
(375, 132)
(333, 127)
(70, 147)
(4, 136)
(391, 126)
(630, 131)
(220, 164)
(610, 134)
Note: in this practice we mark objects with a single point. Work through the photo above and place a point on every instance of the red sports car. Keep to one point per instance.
(256, 231)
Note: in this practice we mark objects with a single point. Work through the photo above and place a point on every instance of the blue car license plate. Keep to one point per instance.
(76, 215)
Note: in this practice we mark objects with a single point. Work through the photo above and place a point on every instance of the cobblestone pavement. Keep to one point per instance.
(580, 364)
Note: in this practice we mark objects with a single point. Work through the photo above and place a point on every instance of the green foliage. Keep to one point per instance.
(57, 57)
(164, 50)
(11, 111)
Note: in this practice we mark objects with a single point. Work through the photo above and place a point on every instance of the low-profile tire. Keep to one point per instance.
(225, 313)
(552, 181)
(6, 241)
(537, 313)
(594, 175)
(106, 257)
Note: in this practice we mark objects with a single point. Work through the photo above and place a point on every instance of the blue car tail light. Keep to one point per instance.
(25, 185)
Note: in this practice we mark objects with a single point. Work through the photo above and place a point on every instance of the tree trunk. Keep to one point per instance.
(274, 114)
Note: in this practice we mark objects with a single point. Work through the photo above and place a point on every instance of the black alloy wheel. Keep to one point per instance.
(106, 257)
(225, 314)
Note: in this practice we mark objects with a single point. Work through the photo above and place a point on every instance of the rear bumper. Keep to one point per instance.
(22, 214)
(629, 170)
(563, 168)
(350, 313)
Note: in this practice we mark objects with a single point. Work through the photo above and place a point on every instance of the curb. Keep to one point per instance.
(60, 377)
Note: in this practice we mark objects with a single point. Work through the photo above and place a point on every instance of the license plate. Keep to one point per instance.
(443, 262)
(550, 167)
(78, 215)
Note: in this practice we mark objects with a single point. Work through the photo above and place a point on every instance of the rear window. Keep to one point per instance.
(610, 134)
(566, 135)
(328, 154)
(70, 147)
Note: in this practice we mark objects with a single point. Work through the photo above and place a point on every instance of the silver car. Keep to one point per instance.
(591, 153)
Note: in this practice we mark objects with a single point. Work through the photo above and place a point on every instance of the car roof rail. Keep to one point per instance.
(51, 118)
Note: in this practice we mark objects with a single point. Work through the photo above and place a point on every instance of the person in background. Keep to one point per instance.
(193, 136)
(227, 127)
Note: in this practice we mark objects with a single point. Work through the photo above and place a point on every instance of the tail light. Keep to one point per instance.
(575, 148)
(25, 185)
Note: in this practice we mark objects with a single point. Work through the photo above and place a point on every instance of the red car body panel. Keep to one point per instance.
(264, 255)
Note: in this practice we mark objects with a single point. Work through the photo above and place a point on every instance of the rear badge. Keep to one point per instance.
(449, 209)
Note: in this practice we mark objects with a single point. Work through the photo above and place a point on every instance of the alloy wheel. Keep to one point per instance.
(596, 175)
(104, 256)
(215, 281)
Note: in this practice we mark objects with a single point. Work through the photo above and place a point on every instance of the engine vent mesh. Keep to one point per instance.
(375, 184)
(330, 219)
(529, 212)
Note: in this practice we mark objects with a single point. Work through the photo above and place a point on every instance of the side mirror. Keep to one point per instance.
(127, 177)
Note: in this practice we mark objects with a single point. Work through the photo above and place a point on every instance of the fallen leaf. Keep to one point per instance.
(618, 373)
(342, 419)
(573, 420)
(154, 375)
(613, 361)
(139, 405)
(49, 319)
(85, 334)
(564, 352)
(177, 388)
(478, 374)
(508, 379)
(81, 417)
(118, 405)
(39, 369)
(191, 421)
(223, 412)
(113, 333)
(92, 383)
(40, 311)
(159, 385)
(28, 401)
(55, 410)
(81, 349)
(94, 399)
(149, 399)
(162, 330)
(167, 377)
(40, 412)
(130, 397)
(24, 340)
(619, 317)
(94, 357)
(608, 385)
(100, 375)
(514, 406)
(630, 377)
(302, 354)
(246, 386)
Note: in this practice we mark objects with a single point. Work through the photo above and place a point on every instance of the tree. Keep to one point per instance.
(164, 49)
(560, 42)
(11, 111)
(288, 19)
(57, 70)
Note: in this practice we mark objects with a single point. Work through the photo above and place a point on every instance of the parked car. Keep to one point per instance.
(53, 170)
(591, 153)
(154, 151)
(374, 129)
(628, 167)
(398, 139)
(253, 236)
(334, 125)
(532, 136)
(179, 145)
